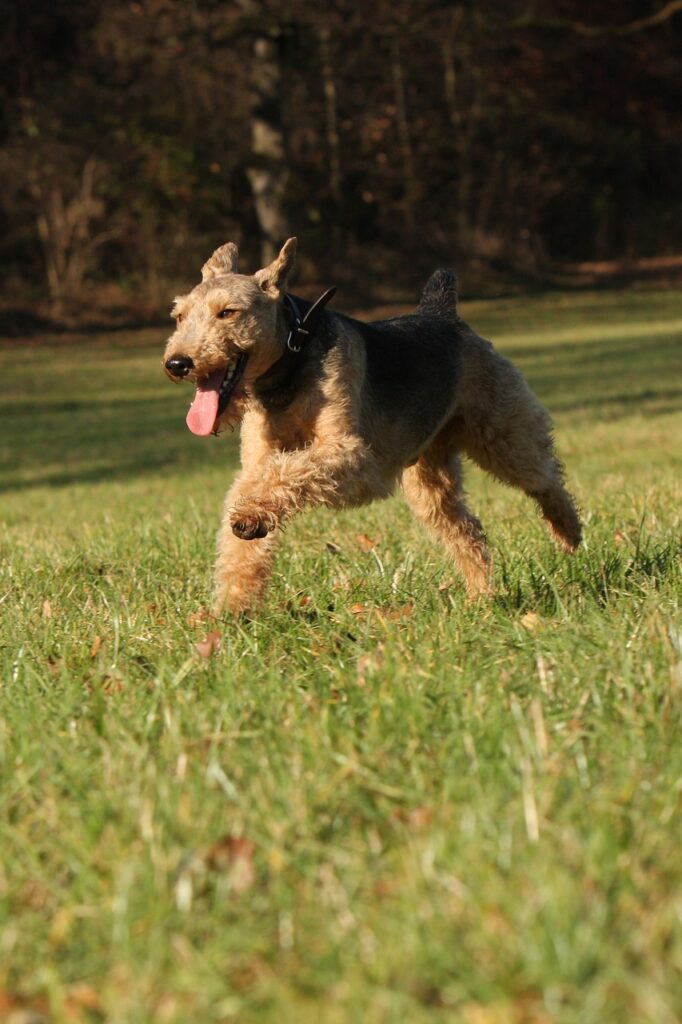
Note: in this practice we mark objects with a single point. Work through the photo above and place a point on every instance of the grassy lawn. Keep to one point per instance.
(374, 803)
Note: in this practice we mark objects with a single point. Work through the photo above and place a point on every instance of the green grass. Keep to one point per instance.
(375, 803)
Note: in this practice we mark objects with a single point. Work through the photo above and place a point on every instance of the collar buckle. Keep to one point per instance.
(299, 333)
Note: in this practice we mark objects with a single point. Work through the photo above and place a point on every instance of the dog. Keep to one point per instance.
(337, 412)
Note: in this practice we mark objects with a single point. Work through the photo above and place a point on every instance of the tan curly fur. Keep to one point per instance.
(335, 429)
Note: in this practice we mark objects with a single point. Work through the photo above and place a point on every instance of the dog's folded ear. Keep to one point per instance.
(273, 278)
(223, 261)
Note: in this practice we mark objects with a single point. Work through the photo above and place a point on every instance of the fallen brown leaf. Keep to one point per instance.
(84, 997)
(369, 662)
(530, 621)
(419, 818)
(33, 894)
(208, 646)
(365, 542)
(233, 856)
(200, 616)
(396, 614)
(96, 644)
(18, 1010)
(415, 819)
(112, 684)
(47, 609)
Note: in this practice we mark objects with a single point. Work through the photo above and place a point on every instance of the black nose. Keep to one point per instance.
(180, 366)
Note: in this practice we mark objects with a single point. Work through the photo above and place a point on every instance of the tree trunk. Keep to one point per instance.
(460, 39)
(406, 148)
(65, 231)
(331, 112)
(268, 171)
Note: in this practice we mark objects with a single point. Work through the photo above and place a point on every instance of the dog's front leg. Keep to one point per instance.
(242, 569)
(341, 473)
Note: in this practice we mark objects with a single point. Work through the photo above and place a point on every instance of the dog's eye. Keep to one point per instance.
(179, 317)
(225, 313)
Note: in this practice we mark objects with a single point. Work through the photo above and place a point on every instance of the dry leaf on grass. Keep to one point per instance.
(365, 542)
(419, 818)
(396, 614)
(369, 663)
(112, 683)
(82, 996)
(209, 645)
(233, 856)
(47, 609)
(17, 1010)
(96, 644)
(200, 616)
(530, 621)
(384, 614)
(298, 603)
(415, 819)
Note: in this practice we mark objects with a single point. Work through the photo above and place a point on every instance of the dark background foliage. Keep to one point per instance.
(516, 137)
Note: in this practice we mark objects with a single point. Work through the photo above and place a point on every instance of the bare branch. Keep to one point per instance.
(664, 14)
(591, 31)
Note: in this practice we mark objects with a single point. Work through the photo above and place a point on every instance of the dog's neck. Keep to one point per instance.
(302, 322)
(304, 342)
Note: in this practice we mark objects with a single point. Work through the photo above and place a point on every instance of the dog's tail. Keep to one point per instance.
(440, 292)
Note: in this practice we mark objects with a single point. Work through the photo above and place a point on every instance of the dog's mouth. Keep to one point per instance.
(213, 396)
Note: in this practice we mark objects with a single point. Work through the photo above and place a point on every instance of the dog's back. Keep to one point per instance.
(412, 361)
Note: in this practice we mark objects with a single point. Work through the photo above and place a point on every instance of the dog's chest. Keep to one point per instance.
(291, 429)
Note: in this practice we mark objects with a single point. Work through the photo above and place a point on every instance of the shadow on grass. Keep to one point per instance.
(632, 402)
(595, 375)
(77, 442)
(604, 349)
(93, 475)
(59, 432)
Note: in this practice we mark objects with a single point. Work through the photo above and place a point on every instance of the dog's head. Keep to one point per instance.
(227, 334)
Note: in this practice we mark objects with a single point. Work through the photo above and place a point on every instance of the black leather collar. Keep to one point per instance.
(277, 387)
(301, 327)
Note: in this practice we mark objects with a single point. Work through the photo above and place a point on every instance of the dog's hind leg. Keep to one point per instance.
(559, 511)
(518, 449)
(433, 489)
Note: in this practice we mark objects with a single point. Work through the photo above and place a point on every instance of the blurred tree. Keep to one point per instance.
(267, 169)
(136, 135)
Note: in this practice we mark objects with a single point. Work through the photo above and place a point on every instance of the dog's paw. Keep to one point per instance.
(253, 525)
(249, 528)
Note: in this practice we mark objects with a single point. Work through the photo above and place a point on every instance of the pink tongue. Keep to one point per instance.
(204, 409)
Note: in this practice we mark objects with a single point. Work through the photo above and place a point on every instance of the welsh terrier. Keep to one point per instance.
(336, 412)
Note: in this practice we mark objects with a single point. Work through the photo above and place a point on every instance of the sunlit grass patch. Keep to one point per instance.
(374, 801)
